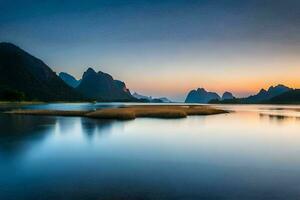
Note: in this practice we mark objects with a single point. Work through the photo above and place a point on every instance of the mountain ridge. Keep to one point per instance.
(69, 79)
(25, 77)
(101, 86)
(201, 96)
(263, 96)
(289, 97)
(18, 67)
(152, 99)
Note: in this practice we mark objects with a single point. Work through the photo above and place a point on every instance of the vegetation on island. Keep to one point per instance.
(132, 112)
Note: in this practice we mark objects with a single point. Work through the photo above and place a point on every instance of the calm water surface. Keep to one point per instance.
(252, 153)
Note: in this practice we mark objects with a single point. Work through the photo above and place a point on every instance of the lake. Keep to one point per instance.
(251, 153)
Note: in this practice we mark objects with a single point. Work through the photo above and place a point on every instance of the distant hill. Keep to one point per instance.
(69, 79)
(140, 96)
(273, 94)
(102, 87)
(165, 100)
(265, 95)
(289, 97)
(201, 96)
(151, 99)
(25, 77)
(227, 96)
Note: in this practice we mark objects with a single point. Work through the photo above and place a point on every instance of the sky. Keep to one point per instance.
(163, 47)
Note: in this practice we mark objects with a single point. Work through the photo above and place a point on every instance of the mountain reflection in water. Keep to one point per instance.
(250, 153)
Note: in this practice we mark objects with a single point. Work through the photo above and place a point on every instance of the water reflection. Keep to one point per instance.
(98, 127)
(240, 155)
(18, 133)
(72, 106)
(279, 118)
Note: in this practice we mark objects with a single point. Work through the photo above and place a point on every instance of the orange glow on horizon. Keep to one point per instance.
(240, 86)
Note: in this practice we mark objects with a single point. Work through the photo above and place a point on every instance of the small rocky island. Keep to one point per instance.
(131, 112)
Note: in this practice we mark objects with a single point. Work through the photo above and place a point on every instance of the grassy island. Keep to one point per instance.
(131, 112)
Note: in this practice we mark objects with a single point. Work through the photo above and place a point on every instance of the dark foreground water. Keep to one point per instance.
(253, 153)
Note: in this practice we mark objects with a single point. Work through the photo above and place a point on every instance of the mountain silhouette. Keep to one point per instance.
(140, 96)
(151, 99)
(69, 79)
(25, 77)
(265, 95)
(289, 97)
(101, 86)
(227, 96)
(201, 96)
(24, 74)
(275, 94)
(165, 100)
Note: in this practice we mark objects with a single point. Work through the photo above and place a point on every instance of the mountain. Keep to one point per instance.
(265, 95)
(289, 97)
(69, 79)
(227, 96)
(102, 87)
(165, 100)
(25, 77)
(151, 99)
(139, 96)
(275, 94)
(201, 96)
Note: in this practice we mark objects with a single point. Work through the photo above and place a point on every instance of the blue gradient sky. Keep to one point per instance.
(164, 48)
